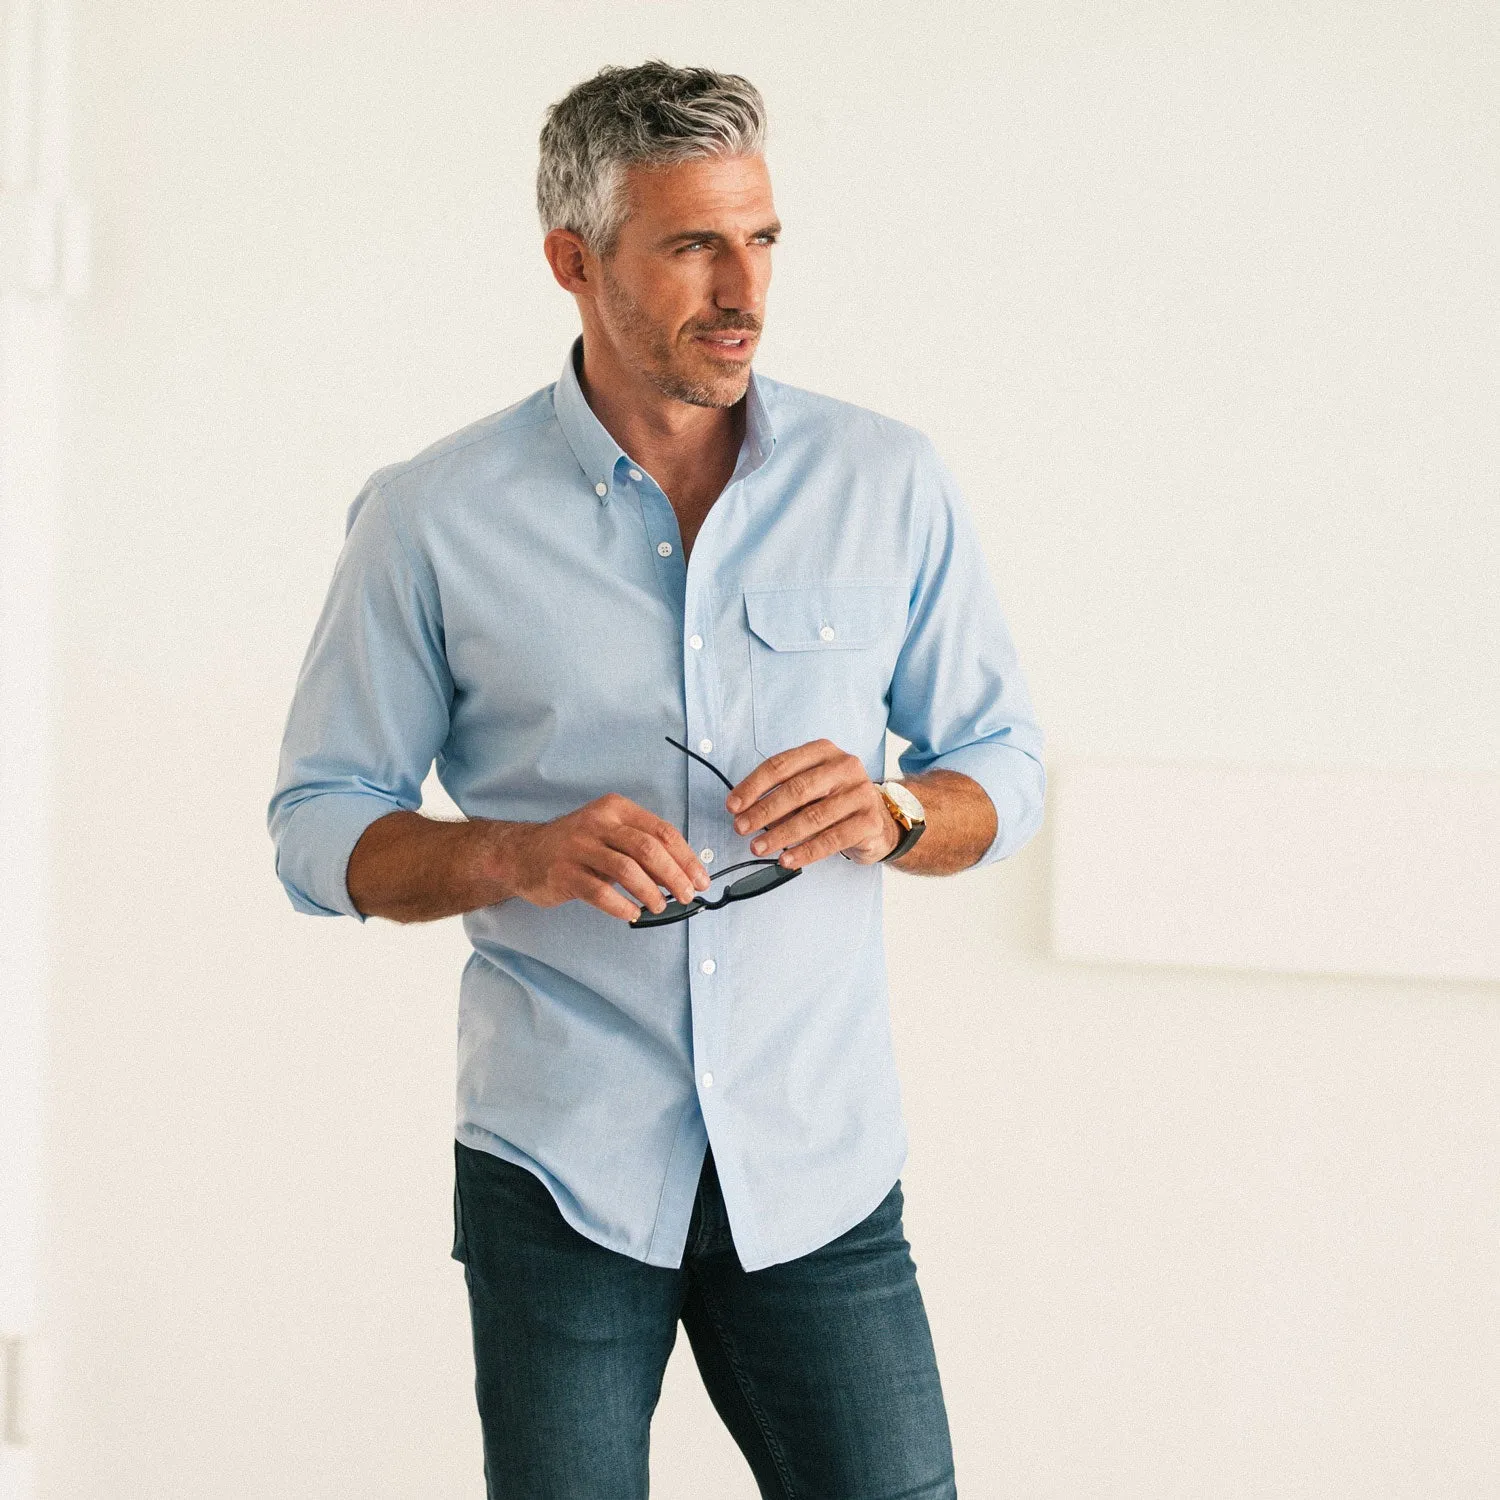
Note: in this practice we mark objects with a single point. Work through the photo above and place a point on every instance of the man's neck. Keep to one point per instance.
(672, 439)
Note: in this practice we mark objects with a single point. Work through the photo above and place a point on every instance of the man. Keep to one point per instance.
(677, 1098)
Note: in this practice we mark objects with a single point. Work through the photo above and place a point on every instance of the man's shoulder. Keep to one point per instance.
(798, 413)
(478, 447)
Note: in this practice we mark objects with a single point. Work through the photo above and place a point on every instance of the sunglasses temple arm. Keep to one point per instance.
(711, 766)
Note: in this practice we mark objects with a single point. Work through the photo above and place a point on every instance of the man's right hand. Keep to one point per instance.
(580, 855)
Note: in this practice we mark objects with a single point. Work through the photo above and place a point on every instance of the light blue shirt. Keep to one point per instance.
(513, 603)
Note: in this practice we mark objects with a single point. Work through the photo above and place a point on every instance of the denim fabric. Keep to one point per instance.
(821, 1367)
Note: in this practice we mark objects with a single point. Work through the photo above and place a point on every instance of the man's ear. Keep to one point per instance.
(566, 255)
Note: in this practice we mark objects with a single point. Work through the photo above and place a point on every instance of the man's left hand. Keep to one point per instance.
(812, 801)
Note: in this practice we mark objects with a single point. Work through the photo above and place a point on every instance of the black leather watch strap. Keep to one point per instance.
(909, 836)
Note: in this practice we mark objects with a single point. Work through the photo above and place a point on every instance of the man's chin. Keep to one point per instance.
(714, 387)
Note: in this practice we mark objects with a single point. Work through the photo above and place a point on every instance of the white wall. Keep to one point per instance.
(1199, 302)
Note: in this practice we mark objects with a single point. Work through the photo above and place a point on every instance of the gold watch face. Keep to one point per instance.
(905, 799)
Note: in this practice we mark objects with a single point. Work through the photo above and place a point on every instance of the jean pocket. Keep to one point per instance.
(821, 658)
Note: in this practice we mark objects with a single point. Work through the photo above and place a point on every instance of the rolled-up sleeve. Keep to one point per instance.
(958, 693)
(370, 710)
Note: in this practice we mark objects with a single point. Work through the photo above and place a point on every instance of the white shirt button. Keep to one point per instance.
(708, 966)
(708, 1080)
(705, 745)
(826, 633)
(696, 642)
(706, 855)
(665, 548)
(601, 488)
(635, 473)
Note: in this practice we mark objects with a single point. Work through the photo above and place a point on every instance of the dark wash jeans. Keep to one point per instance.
(822, 1367)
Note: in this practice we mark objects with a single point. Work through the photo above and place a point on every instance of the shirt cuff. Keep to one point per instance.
(1015, 783)
(312, 855)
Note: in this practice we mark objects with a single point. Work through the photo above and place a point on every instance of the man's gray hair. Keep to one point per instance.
(651, 115)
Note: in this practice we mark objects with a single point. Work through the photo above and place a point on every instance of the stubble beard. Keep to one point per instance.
(652, 351)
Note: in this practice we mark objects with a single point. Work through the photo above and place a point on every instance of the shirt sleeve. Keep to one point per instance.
(958, 693)
(370, 710)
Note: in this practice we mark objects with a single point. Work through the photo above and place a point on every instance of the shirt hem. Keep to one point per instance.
(480, 1139)
(774, 1256)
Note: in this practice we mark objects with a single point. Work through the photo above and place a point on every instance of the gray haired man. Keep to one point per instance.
(660, 577)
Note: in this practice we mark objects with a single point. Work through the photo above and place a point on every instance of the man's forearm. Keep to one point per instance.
(408, 868)
(961, 824)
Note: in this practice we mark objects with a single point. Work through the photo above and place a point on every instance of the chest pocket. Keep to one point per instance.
(821, 658)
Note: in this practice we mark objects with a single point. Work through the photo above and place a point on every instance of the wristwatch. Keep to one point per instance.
(907, 811)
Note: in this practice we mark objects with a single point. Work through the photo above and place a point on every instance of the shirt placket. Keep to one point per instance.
(708, 826)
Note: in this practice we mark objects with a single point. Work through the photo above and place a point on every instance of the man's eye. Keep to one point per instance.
(761, 239)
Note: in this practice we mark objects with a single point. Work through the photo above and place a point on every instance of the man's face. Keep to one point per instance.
(682, 299)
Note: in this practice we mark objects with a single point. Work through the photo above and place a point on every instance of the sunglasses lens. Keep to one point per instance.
(762, 880)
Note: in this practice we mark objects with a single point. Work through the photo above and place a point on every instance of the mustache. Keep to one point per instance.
(743, 326)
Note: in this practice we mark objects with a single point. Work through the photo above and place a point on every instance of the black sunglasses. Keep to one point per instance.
(764, 879)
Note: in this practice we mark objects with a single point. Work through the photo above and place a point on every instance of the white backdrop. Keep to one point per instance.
(43, 260)
(1198, 301)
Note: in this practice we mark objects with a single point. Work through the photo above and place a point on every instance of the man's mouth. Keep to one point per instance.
(729, 343)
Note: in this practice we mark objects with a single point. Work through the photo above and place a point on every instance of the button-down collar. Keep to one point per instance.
(599, 455)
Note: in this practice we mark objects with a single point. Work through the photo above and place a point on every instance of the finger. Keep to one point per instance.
(602, 894)
(664, 854)
(629, 818)
(619, 867)
(683, 852)
(812, 820)
(821, 780)
(668, 837)
(777, 768)
(844, 834)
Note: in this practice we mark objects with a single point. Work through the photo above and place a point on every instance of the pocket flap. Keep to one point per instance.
(829, 616)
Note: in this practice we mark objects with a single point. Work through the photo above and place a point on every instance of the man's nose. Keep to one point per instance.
(740, 283)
